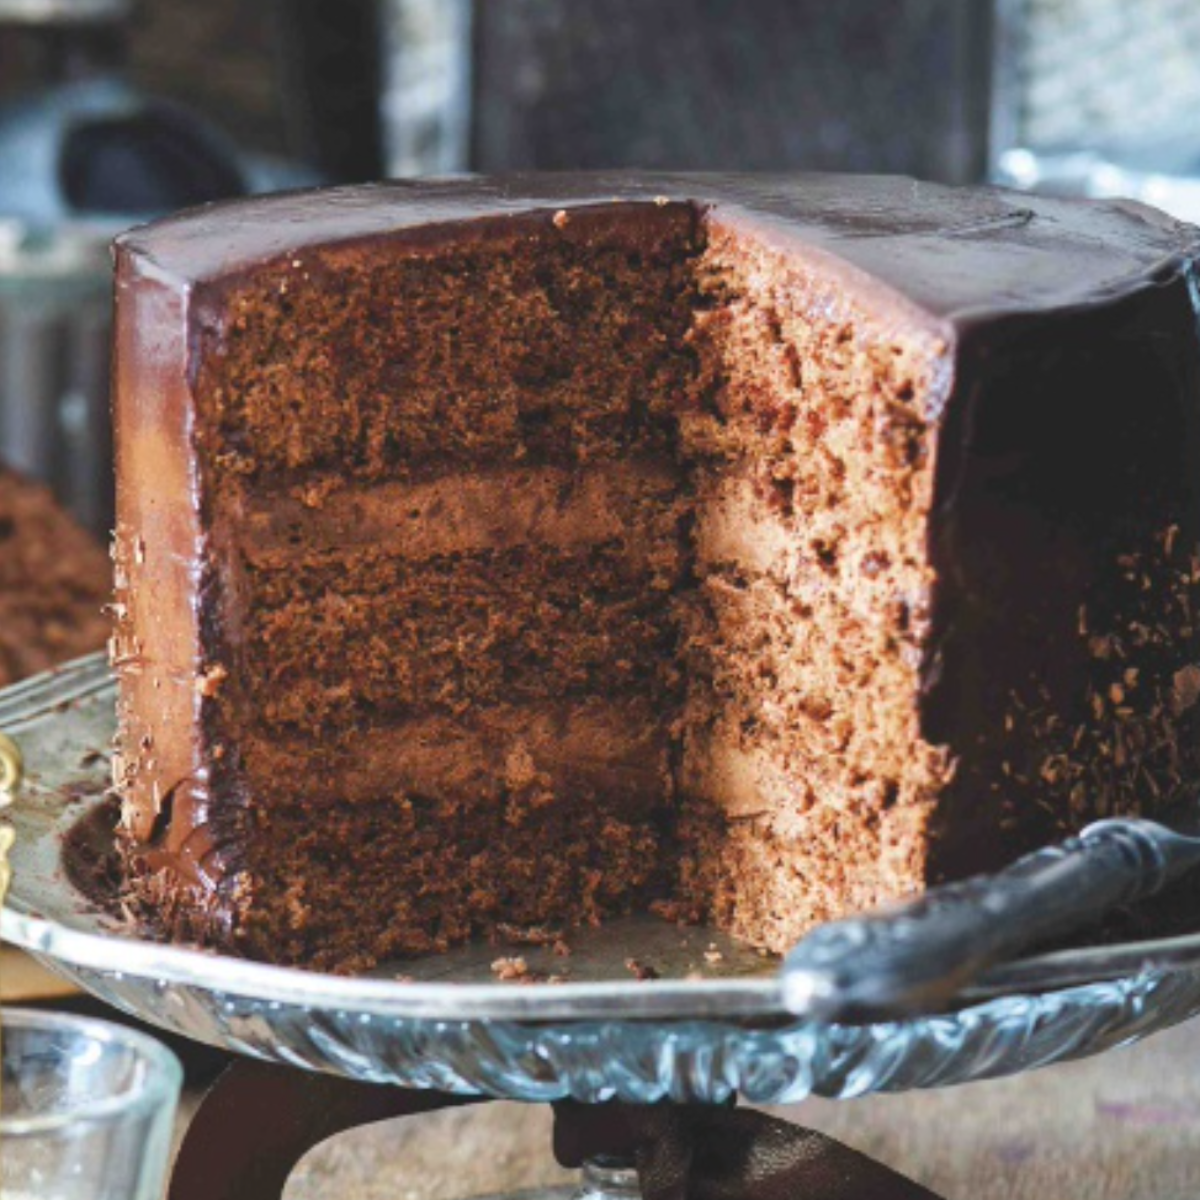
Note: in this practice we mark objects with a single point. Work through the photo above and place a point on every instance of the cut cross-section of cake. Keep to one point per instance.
(532, 550)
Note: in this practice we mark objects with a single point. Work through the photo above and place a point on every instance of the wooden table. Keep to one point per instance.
(1125, 1126)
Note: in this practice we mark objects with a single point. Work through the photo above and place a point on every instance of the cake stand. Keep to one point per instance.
(700, 1024)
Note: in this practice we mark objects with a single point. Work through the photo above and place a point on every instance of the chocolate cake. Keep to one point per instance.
(536, 549)
(55, 582)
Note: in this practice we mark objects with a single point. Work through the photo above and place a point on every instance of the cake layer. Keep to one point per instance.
(509, 584)
(345, 886)
(371, 638)
(490, 509)
(511, 814)
(556, 342)
(607, 752)
(795, 664)
(762, 886)
(783, 784)
(742, 529)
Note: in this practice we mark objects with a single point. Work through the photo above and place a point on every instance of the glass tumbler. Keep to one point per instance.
(86, 1109)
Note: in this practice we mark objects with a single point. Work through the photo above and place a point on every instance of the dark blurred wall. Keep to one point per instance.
(220, 56)
(866, 85)
(298, 78)
(860, 85)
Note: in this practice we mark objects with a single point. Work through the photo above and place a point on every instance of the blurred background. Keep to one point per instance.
(113, 111)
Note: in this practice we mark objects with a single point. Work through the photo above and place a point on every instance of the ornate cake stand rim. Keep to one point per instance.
(223, 974)
(738, 1000)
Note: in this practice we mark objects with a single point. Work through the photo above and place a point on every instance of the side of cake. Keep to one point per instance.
(533, 550)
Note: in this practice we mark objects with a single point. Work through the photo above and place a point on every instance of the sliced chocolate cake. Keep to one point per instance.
(537, 549)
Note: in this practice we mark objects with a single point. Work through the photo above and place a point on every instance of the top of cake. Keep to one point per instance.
(956, 254)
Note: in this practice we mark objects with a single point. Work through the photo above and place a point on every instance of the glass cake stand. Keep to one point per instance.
(704, 1027)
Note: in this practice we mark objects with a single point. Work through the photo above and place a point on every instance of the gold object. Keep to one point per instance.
(12, 769)
(7, 837)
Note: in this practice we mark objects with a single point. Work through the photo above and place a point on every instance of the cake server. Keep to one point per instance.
(917, 956)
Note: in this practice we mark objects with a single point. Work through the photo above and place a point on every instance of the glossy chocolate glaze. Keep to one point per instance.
(1011, 284)
(945, 254)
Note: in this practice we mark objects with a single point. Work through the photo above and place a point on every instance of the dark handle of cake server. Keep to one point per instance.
(917, 956)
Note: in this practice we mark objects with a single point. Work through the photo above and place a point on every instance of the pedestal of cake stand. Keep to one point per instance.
(259, 1119)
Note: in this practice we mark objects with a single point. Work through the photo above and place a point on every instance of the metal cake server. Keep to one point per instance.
(917, 956)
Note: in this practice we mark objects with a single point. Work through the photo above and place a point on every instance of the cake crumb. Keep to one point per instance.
(510, 968)
(519, 768)
(1185, 688)
(209, 682)
(529, 935)
(681, 915)
(640, 970)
